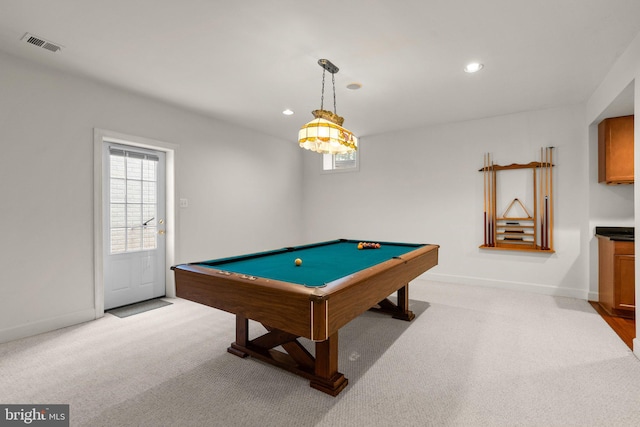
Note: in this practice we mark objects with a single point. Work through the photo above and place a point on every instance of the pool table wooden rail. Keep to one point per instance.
(270, 302)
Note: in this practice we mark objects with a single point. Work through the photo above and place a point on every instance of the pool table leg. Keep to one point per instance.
(403, 305)
(401, 309)
(327, 378)
(242, 336)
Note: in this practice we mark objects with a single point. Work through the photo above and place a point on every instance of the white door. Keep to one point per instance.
(134, 234)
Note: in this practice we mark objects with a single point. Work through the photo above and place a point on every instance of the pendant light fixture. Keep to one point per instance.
(325, 133)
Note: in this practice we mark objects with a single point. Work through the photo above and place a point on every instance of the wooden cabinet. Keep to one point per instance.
(616, 276)
(624, 285)
(615, 150)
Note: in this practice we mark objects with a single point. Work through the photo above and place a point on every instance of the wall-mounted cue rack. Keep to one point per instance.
(515, 227)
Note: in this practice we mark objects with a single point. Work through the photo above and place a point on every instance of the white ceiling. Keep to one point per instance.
(246, 61)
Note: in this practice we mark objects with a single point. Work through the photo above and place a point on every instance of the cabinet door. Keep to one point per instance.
(615, 150)
(625, 292)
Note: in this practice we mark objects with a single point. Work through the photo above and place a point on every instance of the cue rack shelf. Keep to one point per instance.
(516, 228)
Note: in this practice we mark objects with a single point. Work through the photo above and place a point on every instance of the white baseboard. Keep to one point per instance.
(46, 325)
(514, 286)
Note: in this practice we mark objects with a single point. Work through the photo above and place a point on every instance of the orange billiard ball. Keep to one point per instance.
(298, 262)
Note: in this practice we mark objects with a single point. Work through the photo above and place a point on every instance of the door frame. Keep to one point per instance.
(100, 137)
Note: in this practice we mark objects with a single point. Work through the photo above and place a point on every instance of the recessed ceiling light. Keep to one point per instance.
(354, 86)
(473, 67)
(287, 112)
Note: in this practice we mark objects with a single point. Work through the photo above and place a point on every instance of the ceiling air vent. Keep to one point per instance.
(40, 42)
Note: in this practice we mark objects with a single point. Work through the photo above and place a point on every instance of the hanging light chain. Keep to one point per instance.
(322, 97)
(333, 80)
(333, 70)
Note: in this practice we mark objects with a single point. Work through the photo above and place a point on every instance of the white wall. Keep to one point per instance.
(243, 188)
(423, 185)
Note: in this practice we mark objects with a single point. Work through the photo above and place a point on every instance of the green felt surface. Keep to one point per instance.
(321, 263)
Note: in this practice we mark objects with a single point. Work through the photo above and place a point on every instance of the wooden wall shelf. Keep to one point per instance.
(525, 232)
(506, 247)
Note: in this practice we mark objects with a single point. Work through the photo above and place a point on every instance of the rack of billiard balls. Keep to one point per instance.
(368, 245)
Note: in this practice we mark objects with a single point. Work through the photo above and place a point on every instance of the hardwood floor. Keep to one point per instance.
(625, 328)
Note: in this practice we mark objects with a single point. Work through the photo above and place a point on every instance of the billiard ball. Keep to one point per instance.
(298, 262)
(360, 245)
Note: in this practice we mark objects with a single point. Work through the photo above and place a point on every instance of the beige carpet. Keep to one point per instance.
(472, 357)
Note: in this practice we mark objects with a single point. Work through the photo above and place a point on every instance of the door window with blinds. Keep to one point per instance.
(133, 201)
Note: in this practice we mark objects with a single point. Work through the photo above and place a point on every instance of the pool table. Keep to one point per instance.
(335, 283)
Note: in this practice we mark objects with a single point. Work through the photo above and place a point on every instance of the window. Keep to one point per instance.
(133, 200)
(340, 162)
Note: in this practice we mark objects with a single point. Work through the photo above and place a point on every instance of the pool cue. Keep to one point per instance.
(490, 200)
(541, 198)
(488, 196)
(549, 195)
(535, 206)
(492, 224)
(542, 187)
(549, 190)
(551, 198)
(546, 198)
(546, 225)
(484, 196)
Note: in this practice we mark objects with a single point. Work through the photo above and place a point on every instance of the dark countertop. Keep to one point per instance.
(626, 234)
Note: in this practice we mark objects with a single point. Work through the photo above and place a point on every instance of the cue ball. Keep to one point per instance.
(298, 262)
